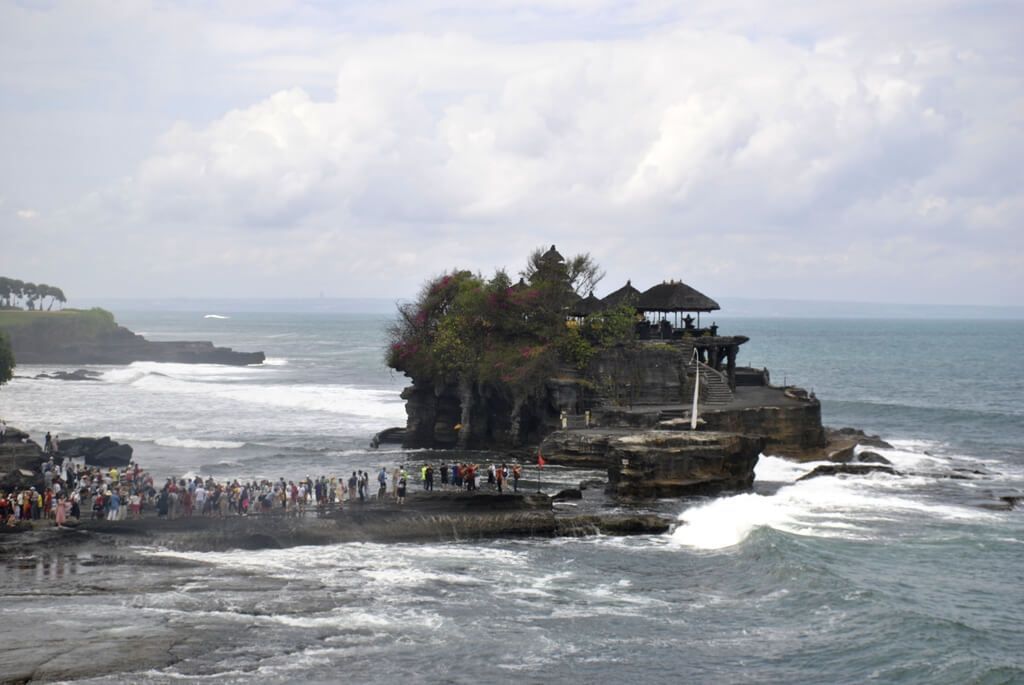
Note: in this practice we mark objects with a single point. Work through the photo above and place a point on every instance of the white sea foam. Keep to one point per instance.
(183, 372)
(216, 316)
(374, 406)
(823, 507)
(194, 443)
(275, 361)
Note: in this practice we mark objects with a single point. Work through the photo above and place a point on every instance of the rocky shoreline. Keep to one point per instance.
(437, 517)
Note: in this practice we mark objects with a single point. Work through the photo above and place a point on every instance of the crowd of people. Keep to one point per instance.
(76, 491)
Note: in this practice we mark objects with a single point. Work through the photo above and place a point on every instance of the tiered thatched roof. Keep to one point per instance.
(675, 296)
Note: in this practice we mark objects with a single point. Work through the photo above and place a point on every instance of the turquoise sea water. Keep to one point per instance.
(909, 579)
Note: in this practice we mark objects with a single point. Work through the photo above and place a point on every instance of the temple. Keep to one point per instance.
(628, 406)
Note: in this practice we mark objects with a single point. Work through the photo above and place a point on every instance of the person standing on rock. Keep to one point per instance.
(3, 431)
(382, 483)
(48, 443)
(115, 506)
(402, 483)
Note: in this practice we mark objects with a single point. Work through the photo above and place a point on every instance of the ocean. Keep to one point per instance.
(914, 578)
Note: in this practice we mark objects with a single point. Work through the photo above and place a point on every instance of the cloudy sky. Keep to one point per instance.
(866, 151)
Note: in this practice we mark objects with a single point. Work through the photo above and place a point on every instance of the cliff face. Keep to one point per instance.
(615, 376)
(92, 337)
(639, 403)
(788, 430)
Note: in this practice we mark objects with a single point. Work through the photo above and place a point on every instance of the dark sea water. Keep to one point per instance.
(911, 579)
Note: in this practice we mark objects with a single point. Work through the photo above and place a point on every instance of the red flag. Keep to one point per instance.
(540, 459)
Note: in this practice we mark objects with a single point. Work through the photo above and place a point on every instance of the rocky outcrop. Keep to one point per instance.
(93, 337)
(76, 375)
(96, 451)
(654, 463)
(388, 436)
(849, 470)
(789, 429)
(18, 453)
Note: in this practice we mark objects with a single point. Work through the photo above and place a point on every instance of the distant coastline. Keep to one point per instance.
(738, 307)
(93, 336)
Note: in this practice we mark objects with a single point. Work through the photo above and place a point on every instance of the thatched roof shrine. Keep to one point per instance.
(627, 294)
(586, 306)
(675, 296)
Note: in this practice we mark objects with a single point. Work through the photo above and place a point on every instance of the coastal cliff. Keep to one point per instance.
(93, 337)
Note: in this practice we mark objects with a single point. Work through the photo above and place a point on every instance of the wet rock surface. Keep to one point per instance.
(96, 451)
(76, 375)
(658, 463)
(849, 470)
(433, 517)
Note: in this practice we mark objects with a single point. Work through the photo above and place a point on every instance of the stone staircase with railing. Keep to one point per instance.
(715, 384)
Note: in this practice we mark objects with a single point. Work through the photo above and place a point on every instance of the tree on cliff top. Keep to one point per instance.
(466, 331)
(12, 291)
(6, 359)
(581, 273)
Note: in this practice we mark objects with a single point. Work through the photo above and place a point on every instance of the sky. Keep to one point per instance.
(851, 151)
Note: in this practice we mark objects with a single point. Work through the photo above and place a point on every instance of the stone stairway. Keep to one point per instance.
(715, 386)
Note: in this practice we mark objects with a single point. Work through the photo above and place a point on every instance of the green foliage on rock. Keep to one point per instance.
(467, 330)
(6, 359)
(66, 324)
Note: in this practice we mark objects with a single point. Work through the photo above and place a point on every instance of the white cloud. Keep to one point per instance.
(26, 214)
(733, 147)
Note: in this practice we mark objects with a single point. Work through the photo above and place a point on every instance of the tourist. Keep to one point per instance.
(61, 512)
(382, 481)
(402, 482)
(517, 473)
(114, 507)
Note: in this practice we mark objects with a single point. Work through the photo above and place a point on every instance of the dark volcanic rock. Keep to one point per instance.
(869, 457)
(646, 464)
(96, 451)
(392, 436)
(77, 375)
(567, 494)
(860, 436)
(18, 453)
(616, 524)
(848, 469)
